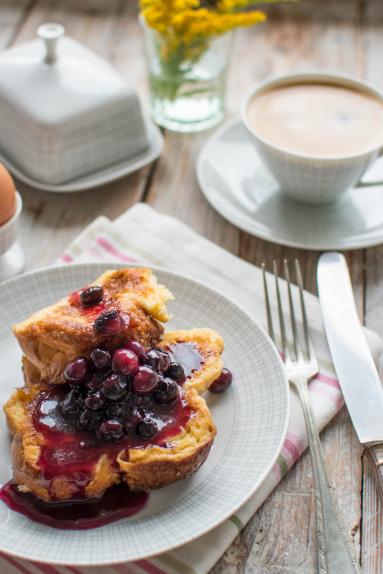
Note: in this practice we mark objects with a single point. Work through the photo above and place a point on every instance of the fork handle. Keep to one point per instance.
(335, 555)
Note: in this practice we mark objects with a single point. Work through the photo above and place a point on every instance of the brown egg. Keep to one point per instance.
(7, 195)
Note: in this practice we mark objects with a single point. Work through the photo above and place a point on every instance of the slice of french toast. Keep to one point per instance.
(167, 429)
(118, 306)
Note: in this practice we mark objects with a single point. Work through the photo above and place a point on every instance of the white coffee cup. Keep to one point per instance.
(306, 178)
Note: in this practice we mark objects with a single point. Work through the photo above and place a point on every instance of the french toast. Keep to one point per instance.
(56, 460)
(121, 305)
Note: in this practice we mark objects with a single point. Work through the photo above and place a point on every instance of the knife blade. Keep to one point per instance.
(353, 362)
(354, 365)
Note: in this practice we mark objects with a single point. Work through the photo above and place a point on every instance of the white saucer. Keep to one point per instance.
(239, 187)
(101, 177)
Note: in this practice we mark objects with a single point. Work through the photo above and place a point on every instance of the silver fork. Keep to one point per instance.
(335, 555)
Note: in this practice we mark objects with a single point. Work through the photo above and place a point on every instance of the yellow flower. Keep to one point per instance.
(193, 24)
(197, 18)
(186, 26)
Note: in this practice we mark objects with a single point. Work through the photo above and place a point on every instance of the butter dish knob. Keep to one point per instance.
(50, 33)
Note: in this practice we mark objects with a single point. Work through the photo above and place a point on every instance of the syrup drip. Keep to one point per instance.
(118, 502)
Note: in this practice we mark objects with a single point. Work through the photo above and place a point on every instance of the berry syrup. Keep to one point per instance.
(72, 454)
(93, 311)
(188, 356)
(118, 502)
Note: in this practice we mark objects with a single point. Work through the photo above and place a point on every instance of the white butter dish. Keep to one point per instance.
(100, 177)
(64, 111)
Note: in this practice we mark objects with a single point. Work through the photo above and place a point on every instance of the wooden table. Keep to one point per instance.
(343, 35)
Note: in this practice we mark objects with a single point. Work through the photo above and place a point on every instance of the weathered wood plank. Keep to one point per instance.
(174, 190)
(13, 12)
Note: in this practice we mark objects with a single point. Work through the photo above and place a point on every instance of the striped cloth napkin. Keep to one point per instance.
(143, 236)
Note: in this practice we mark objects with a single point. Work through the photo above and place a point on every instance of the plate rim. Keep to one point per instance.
(324, 246)
(263, 476)
(100, 177)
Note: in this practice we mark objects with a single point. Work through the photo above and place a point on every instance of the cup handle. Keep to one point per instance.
(362, 183)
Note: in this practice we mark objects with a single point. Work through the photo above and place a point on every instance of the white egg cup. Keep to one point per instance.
(12, 257)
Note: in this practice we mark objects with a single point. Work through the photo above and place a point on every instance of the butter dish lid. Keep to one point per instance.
(54, 79)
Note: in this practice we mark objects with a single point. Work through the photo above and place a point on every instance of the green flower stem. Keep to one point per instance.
(176, 67)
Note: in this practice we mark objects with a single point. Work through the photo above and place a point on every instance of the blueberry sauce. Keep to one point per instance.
(72, 453)
(106, 408)
(118, 502)
(187, 355)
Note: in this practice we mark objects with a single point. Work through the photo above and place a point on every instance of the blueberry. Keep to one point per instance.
(165, 392)
(222, 383)
(89, 420)
(130, 399)
(152, 359)
(164, 360)
(125, 362)
(144, 381)
(91, 296)
(115, 411)
(137, 348)
(158, 359)
(109, 322)
(114, 388)
(95, 382)
(101, 359)
(73, 403)
(77, 371)
(175, 372)
(111, 430)
(133, 417)
(147, 428)
(143, 401)
(94, 401)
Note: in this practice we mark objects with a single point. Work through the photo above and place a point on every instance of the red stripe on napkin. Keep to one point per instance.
(18, 565)
(122, 569)
(110, 248)
(328, 380)
(149, 567)
(67, 258)
(73, 569)
(46, 568)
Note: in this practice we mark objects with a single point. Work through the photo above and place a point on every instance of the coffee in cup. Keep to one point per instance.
(320, 120)
(317, 133)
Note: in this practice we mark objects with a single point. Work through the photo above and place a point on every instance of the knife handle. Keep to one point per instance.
(374, 454)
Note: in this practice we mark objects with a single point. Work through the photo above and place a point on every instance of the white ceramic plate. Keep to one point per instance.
(251, 420)
(235, 182)
(101, 177)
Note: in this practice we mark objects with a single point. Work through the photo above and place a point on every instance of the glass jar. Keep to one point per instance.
(187, 83)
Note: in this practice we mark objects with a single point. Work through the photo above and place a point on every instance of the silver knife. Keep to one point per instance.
(356, 371)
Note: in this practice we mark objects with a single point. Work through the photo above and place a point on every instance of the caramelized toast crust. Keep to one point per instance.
(54, 336)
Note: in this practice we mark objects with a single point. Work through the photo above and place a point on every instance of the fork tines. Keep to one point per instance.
(293, 321)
